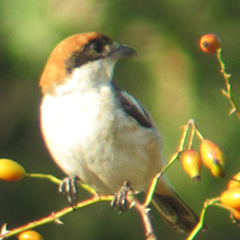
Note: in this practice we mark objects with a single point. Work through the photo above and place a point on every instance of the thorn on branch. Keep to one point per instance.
(232, 111)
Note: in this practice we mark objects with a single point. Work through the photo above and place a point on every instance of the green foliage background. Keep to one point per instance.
(171, 77)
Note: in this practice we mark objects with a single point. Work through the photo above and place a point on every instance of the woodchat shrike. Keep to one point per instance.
(97, 131)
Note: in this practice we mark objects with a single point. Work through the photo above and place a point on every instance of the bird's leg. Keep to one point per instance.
(68, 185)
(120, 200)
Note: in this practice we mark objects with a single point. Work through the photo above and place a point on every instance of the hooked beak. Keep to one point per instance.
(122, 51)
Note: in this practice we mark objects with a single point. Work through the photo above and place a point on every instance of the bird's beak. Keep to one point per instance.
(122, 51)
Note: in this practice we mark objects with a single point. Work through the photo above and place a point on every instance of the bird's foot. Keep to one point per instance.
(68, 185)
(120, 200)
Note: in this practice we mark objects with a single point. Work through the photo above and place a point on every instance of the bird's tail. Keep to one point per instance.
(173, 209)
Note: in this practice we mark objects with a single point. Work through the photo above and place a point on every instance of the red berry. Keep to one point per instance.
(231, 198)
(210, 153)
(209, 43)
(233, 184)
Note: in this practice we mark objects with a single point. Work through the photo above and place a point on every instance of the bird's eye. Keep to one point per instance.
(98, 47)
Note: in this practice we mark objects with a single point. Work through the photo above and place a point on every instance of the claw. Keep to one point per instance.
(68, 185)
(120, 200)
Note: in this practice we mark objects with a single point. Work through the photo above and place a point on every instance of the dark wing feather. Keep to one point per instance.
(131, 107)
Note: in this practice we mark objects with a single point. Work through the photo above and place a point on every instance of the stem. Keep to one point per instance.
(58, 181)
(190, 143)
(200, 224)
(144, 212)
(175, 156)
(56, 215)
(228, 92)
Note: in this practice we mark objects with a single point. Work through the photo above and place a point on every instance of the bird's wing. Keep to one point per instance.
(132, 107)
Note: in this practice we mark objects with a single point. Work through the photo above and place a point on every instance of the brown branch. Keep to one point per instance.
(144, 212)
(55, 216)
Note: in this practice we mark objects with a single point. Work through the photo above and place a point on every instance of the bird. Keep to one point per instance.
(96, 131)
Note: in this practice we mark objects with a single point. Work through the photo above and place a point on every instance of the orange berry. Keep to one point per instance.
(11, 170)
(233, 184)
(236, 215)
(210, 152)
(191, 163)
(231, 198)
(29, 235)
(209, 43)
(217, 169)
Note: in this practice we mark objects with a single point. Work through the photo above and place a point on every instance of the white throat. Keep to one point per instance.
(92, 75)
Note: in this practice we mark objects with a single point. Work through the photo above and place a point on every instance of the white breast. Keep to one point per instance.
(71, 124)
(89, 136)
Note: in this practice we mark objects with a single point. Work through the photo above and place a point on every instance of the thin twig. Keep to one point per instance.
(228, 92)
(175, 156)
(144, 212)
(200, 224)
(59, 181)
(56, 215)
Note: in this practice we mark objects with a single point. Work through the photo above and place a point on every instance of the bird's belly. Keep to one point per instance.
(102, 150)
